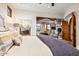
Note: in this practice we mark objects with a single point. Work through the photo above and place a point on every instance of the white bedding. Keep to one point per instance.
(31, 46)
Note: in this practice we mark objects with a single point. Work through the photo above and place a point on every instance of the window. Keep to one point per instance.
(9, 11)
(48, 26)
(38, 27)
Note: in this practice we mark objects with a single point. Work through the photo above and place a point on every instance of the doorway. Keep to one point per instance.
(70, 29)
(25, 27)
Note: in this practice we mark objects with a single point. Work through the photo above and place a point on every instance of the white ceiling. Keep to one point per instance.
(59, 8)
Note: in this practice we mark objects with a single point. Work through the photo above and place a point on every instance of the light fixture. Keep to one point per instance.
(52, 4)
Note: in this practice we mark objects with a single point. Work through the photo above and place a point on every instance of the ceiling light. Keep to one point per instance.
(52, 4)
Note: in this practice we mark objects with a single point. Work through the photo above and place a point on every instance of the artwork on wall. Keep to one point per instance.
(9, 11)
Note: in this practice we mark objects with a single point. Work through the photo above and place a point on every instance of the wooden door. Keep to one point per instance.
(73, 30)
(65, 30)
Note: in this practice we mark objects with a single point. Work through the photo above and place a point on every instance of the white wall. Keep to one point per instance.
(75, 9)
(27, 15)
(21, 15)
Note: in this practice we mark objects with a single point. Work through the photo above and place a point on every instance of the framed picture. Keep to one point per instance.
(9, 11)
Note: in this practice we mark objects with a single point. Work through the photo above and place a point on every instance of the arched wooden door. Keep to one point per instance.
(66, 30)
(73, 30)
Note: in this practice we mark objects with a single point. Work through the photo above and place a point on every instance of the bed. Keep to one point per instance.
(30, 46)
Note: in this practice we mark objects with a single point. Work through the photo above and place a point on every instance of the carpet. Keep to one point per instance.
(58, 47)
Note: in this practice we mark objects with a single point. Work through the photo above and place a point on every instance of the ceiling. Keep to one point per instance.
(58, 8)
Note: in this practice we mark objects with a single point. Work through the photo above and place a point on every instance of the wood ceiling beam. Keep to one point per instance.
(41, 18)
